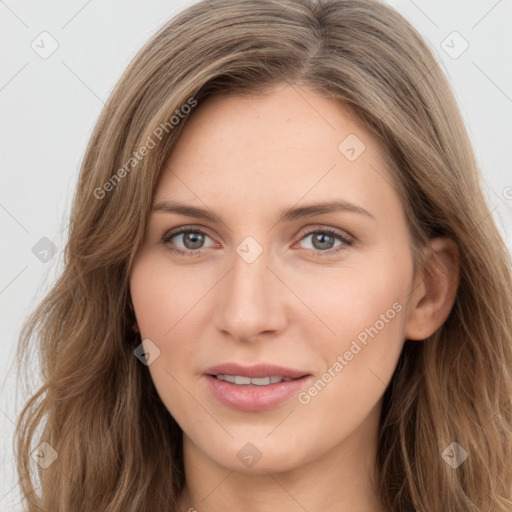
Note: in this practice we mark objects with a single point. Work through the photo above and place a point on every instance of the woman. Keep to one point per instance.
(283, 288)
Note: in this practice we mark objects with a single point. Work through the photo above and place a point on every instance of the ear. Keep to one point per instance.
(434, 291)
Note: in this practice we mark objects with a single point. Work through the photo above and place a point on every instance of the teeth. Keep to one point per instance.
(256, 381)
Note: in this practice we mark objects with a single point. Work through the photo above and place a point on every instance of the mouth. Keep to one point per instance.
(254, 388)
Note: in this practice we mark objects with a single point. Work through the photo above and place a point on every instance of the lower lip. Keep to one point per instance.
(252, 398)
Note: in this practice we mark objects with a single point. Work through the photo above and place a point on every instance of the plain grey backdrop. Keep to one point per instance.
(61, 59)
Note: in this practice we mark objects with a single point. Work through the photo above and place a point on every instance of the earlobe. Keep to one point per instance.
(434, 291)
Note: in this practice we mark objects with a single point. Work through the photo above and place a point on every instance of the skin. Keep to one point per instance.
(247, 159)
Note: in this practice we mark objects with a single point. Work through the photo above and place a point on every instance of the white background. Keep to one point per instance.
(49, 107)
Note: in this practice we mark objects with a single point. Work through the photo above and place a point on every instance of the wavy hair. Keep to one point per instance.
(119, 449)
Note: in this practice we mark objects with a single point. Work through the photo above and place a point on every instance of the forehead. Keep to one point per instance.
(289, 144)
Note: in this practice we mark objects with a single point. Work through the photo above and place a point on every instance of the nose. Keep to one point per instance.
(251, 300)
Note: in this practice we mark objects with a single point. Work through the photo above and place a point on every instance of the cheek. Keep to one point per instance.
(364, 309)
(163, 295)
(348, 299)
(173, 303)
(165, 300)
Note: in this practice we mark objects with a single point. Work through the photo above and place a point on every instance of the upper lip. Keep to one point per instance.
(255, 371)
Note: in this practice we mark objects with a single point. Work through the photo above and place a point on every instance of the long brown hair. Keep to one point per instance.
(118, 448)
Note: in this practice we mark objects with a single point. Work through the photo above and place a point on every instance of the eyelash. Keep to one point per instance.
(346, 242)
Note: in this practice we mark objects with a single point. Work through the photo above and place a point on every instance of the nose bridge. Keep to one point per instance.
(249, 303)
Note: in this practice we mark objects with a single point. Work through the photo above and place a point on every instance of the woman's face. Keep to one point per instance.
(274, 278)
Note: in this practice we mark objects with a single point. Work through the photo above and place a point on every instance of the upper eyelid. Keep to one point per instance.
(344, 235)
(308, 230)
(171, 233)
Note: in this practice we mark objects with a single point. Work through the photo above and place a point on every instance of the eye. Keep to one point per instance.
(191, 238)
(323, 241)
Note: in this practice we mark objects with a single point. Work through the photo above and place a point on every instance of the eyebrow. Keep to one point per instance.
(293, 213)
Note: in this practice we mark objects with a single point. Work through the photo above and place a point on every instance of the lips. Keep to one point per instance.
(254, 388)
(256, 371)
